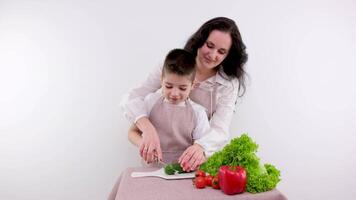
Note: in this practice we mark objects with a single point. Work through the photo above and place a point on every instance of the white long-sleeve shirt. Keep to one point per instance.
(226, 95)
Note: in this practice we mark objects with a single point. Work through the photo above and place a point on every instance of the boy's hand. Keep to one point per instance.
(192, 157)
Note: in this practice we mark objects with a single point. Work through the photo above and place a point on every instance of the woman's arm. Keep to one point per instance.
(135, 111)
(135, 137)
(218, 134)
(132, 103)
(220, 122)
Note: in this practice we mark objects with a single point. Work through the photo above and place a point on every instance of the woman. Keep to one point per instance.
(220, 57)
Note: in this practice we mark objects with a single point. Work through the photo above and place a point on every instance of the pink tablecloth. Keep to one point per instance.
(149, 188)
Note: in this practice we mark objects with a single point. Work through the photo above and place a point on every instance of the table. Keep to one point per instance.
(154, 188)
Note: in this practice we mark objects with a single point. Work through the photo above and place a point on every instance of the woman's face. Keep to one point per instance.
(214, 50)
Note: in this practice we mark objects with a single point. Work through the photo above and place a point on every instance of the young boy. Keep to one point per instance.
(178, 120)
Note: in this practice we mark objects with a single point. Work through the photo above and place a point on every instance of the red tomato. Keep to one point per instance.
(199, 173)
(199, 182)
(208, 180)
(215, 182)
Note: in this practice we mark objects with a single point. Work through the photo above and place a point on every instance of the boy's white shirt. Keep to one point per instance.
(202, 126)
(133, 107)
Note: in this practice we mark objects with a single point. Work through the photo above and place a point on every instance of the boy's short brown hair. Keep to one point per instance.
(179, 62)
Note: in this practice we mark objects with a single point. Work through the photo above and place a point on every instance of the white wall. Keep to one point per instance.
(65, 64)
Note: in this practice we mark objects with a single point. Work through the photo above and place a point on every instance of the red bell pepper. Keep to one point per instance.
(232, 179)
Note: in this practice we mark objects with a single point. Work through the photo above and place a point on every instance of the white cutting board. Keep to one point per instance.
(160, 173)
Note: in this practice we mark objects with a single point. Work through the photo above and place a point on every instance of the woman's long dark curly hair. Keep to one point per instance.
(233, 64)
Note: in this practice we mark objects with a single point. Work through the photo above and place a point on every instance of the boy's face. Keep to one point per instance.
(176, 88)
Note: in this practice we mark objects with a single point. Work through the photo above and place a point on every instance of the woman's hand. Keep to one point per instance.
(192, 157)
(149, 148)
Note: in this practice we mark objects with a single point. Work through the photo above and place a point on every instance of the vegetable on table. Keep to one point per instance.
(208, 180)
(232, 180)
(199, 172)
(199, 182)
(202, 180)
(241, 151)
(215, 183)
(173, 168)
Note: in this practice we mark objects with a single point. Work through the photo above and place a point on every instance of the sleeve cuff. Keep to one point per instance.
(139, 117)
(206, 153)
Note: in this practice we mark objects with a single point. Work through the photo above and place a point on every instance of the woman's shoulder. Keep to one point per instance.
(226, 81)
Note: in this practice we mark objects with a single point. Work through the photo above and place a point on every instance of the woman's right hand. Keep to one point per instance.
(150, 148)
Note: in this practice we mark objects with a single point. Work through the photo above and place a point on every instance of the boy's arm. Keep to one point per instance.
(135, 135)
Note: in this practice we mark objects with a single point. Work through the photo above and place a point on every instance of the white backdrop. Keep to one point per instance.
(64, 66)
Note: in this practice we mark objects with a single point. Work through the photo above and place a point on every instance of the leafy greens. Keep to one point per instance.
(242, 151)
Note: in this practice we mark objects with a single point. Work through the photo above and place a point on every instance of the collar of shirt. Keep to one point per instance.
(220, 77)
(181, 104)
